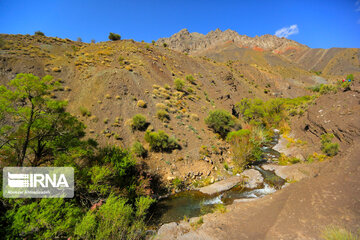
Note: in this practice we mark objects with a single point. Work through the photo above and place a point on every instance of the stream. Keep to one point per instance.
(194, 203)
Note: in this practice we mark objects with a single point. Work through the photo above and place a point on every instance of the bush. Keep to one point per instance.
(39, 33)
(139, 122)
(179, 84)
(139, 150)
(114, 37)
(337, 233)
(245, 147)
(327, 88)
(328, 147)
(163, 115)
(141, 103)
(85, 112)
(190, 79)
(220, 121)
(160, 141)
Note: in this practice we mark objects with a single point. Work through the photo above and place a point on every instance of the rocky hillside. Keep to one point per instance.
(106, 84)
(193, 43)
(269, 49)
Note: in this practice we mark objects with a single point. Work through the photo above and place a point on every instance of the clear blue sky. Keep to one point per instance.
(324, 24)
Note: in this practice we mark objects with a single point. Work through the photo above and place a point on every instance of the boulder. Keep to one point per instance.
(252, 178)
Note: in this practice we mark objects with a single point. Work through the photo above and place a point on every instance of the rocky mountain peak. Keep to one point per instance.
(195, 43)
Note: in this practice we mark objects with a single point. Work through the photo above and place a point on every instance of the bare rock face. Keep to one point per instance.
(184, 41)
(252, 178)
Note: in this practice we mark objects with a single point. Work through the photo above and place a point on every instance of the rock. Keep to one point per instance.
(286, 172)
(252, 178)
(221, 185)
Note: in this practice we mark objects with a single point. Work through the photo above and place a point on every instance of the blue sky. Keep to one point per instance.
(318, 24)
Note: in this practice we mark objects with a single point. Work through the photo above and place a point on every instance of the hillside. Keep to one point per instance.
(229, 45)
(107, 79)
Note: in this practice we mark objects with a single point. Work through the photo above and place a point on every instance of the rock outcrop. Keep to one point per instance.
(184, 41)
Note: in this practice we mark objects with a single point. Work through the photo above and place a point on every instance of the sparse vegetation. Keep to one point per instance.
(337, 233)
(328, 147)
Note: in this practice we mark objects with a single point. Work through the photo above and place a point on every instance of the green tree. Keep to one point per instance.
(220, 121)
(43, 219)
(35, 127)
(114, 37)
(39, 33)
(115, 220)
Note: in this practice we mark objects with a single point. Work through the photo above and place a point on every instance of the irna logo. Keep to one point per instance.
(35, 180)
(38, 182)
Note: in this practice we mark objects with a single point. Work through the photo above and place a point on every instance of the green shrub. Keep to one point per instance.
(139, 122)
(245, 147)
(337, 233)
(84, 111)
(39, 33)
(179, 84)
(177, 183)
(327, 88)
(115, 219)
(220, 121)
(350, 76)
(190, 79)
(165, 45)
(163, 115)
(160, 141)
(328, 147)
(139, 150)
(114, 37)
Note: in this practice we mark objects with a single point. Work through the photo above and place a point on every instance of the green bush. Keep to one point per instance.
(337, 233)
(190, 79)
(328, 88)
(328, 147)
(179, 84)
(139, 122)
(114, 37)
(39, 33)
(220, 121)
(116, 219)
(163, 115)
(139, 150)
(160, 141)
(245, 147)
(84, 111)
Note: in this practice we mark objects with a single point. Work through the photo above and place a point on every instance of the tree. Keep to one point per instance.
(79, 39)
(39, 33)
(115, 220)
(52, 218)
(93, 41)
(35, 127)
(220, 121)
(114, 37)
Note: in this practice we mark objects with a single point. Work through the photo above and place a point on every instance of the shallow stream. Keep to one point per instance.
(194, 203)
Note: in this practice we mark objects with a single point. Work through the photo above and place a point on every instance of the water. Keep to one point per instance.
(194, 203)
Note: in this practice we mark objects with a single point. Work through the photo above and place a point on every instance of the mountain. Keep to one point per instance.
(229, 45)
